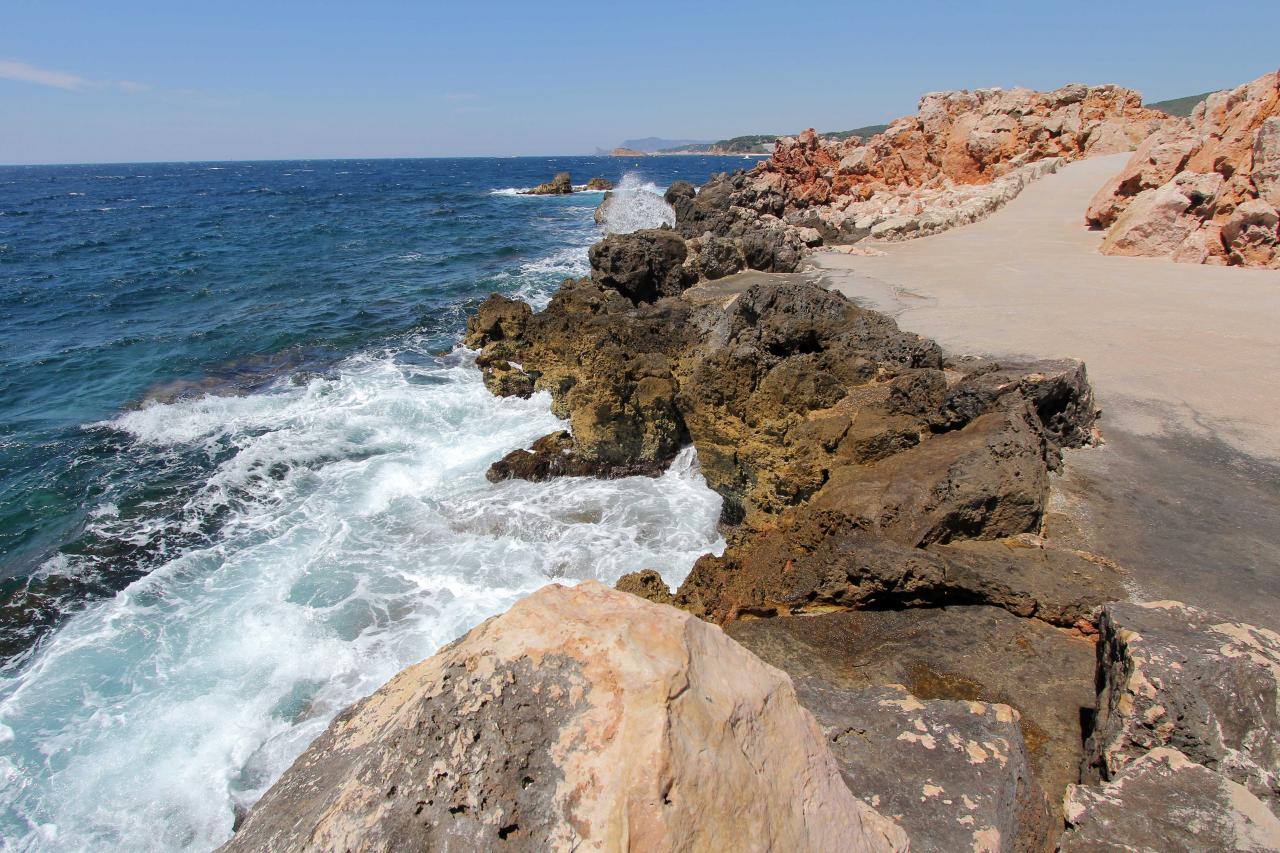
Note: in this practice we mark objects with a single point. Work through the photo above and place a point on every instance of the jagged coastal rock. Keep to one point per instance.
(1163, 801)
(1176, 676)
(1205, 190)
(963, 155)
(582, 718)
(956, 775)
(561, 184)
(948, 674)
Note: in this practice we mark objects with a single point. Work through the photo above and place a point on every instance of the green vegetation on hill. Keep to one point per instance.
(1179, 106)
(736, 145)
(865, 132)
(762, 143)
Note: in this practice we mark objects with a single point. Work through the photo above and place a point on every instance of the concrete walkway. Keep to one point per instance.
(1185, 360)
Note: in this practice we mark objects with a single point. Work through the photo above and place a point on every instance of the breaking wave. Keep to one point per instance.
(635, 204)
(357, 533)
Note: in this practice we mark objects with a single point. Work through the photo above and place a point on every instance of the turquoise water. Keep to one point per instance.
(241, 466)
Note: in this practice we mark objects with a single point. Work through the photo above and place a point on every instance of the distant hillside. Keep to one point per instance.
(865, 132)
(1179, 106)
(761, 143)
(657, 143)
(754, 144)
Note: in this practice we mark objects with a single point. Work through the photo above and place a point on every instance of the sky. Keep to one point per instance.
(146, 81)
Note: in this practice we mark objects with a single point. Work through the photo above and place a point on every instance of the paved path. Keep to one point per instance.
(1185, 360)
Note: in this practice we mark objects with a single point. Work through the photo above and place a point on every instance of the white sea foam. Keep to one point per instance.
(357, 534)
(636, 204)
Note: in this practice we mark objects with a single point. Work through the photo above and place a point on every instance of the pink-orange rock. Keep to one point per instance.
(941, 167)
(583, 718)
(964, 137)
(1233, 139)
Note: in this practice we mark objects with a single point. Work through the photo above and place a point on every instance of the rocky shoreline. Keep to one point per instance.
(906, 658)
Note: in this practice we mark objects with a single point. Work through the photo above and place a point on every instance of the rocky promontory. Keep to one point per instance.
(893, 649)
(1205, 190)
(961, 156)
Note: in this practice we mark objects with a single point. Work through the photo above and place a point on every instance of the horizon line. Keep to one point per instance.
(349, 158)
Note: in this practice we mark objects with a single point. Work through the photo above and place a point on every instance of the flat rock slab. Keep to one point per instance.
(977, 653)
(1178, 676)
(1164, 802)
(955, 775)
(723, 291)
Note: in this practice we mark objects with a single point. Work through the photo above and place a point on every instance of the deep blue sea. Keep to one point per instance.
(242, 466)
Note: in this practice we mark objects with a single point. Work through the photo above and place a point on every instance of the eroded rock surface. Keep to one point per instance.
(971, 653)
(1205, 190)
(785, 572)
(582, 718)
(561, 184)
(647, 584)
(954, 774)
(1173, 675)
(1165, 802)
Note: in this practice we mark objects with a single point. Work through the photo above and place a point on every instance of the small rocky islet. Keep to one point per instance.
(894, 651)
(562, 184)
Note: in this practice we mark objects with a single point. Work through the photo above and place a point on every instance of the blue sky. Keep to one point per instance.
(135, 81)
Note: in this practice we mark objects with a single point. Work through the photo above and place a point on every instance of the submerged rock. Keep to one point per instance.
(583, 718)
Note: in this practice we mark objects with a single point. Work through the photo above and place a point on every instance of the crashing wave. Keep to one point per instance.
(634, 204)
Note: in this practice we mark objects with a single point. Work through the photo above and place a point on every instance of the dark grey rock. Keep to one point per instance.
(643, 266)
(955, 775)
(719, 257)
(973, 653)
(1174, 675)
(1163, 803)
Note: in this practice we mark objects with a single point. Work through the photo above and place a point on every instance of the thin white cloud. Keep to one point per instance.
(460, 96)
(13, 69)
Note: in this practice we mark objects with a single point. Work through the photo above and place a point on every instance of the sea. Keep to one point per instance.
(242, 457)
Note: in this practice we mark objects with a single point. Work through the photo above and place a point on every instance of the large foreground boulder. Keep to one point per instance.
(1174, 675)
(583, 718)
